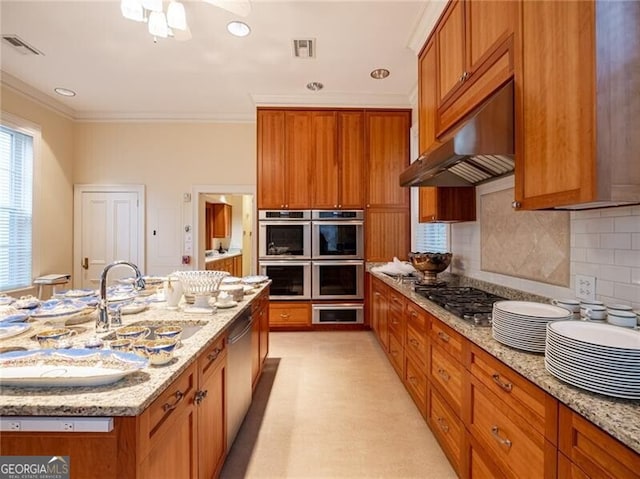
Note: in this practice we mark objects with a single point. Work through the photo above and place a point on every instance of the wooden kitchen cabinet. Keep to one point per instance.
(379, 312)
(221, 220)
(447, 204)
(447, 428)
(259, 336)
(396, 328)
(338, 159)
(427, 97)
(587, 451)
(475, 42)
(387, 234)
(284, 156)
(289, 314)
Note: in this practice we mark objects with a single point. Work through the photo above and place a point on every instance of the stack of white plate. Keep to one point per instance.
(523, 324)
(600, 358)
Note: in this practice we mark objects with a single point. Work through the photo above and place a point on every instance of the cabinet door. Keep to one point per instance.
(221, 220)
(351, 159)
(379, 309)
(212, 431)
(387, 136)
(271, 159)
(325, 159)
(555, 148)
(387, 234)
(450, 203)
(488, 24)
(298, 159)
(289, 315)
(427, 97)
(450, 38)
(263, 318)
(255, 351)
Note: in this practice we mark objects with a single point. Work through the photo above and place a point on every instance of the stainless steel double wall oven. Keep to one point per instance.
(316, 255)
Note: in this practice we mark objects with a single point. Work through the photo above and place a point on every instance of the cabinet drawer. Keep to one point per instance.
(416, 346)
(213, 355)
(446, 338)
(396, 302)
(594, 451)
(396, 354)
(568, 470)
(532, 403)
(169, 405)
(516, 447)
(416, 383)
(445, 373)
(289, 314)
(447, 428)
(416, 317)
(397, 325)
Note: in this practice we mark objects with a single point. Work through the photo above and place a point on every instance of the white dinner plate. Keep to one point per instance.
(13, 329)
(603, 335)
(587, 386)
(531, 310)
(593, 372)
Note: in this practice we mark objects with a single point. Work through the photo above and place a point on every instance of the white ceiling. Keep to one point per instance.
(119, 72)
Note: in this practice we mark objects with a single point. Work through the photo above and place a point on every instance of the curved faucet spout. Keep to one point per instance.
(103, 322)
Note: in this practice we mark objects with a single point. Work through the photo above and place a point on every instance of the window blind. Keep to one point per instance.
(432, 237)
(16, 184)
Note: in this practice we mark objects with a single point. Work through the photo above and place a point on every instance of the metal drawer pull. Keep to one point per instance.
(445, 337)
(506, 386)
(414, 343)
(495, 432)
(179, 395)
(214, 355)
(284, 315)
(443, 374)
(200, 395)
(443, 424)
(413, 380)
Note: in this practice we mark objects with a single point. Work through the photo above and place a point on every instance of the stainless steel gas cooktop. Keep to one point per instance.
(470, 304)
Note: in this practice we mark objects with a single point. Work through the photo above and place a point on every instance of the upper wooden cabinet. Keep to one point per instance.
(284, 155)
(447, 204)
(217, 222)
(387, 143)
(427, 96)
(475, 55)
(338, 159)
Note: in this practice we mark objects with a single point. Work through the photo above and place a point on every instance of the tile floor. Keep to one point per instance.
(329, 405)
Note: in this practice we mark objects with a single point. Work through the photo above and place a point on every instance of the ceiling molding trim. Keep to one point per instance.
(18, 86)
(337, 100)
(122, 117)
(426, 24)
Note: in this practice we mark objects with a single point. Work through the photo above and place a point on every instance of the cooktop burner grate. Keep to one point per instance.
(470, 304)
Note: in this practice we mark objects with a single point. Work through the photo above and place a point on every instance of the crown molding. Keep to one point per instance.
(335, 100)
(163, 117)
(425, 24)
(18, 86)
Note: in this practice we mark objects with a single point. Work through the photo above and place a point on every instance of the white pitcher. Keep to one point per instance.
(173, 291)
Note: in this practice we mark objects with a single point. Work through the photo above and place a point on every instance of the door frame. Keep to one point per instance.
(196, 191)
(78, 190)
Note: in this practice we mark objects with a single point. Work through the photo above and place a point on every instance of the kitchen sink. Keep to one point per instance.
(188, 328)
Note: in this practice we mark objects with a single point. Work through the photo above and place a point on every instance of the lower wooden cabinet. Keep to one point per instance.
(445, 374)
(415, 380)
(591, 452)
(396, 354)
(379, 313)
(289, 314)
(447, 427)
(232, 265)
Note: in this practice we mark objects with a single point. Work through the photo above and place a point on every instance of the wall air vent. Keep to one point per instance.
(20, 45)
(304, 48)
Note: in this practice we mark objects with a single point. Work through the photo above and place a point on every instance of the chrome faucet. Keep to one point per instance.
(103, 322)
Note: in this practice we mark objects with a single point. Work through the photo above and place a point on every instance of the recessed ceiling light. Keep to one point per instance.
(380, 73)
(315, 86)
(64, 91)
(239, 29)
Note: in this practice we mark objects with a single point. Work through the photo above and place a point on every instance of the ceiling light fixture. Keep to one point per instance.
(150, 11)
(238, 29)
(64, 91)
(315, 86)
(379, 73)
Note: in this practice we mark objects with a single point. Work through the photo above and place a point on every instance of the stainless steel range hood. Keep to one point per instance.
(481, 149)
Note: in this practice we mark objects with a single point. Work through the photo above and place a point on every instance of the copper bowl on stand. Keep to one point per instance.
(430, 264)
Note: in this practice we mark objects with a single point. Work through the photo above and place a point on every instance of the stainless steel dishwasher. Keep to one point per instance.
(238, 387)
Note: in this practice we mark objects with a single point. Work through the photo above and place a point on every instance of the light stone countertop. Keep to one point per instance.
(135, 392)
(619, 417)
(218, 257)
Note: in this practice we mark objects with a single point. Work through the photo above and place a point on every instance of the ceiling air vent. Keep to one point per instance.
(20, 45)
(304, 48)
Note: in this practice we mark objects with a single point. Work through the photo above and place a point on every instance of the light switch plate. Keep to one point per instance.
(585, 287)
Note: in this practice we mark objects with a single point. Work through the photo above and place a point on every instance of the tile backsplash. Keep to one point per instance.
(604, 243)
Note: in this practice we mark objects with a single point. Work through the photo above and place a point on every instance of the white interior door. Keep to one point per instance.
(108, 229)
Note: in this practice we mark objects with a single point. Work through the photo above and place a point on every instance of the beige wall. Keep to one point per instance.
(53, 183)
(168, 158)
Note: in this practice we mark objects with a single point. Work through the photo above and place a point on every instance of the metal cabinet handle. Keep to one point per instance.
(506, 386)
(445, 337)
(516, 204)
(443, 424)
(179, 395)
(495, 432)
(413, 380)
(414, 343)
(443, 374)
(85, 263)
(284, 315)
(214, 354)
(200, 395)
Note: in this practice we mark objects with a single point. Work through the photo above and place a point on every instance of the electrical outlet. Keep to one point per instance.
(67, 426)
(585, 287)
(14, 426)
